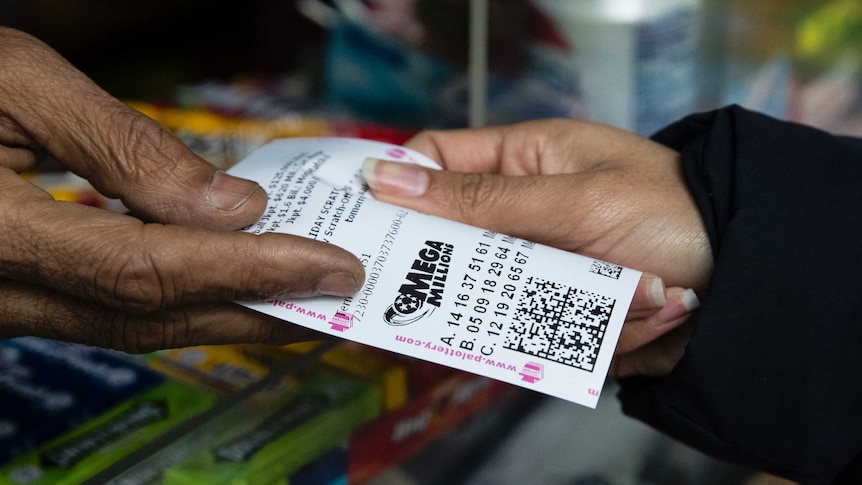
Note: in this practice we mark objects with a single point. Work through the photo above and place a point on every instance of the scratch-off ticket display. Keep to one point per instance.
(461, 296)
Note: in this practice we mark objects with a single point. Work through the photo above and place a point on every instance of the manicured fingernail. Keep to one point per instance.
(338, 284)
(394, 178)
(227, 192)
(689, 300)
(655, 291)
(679, 304)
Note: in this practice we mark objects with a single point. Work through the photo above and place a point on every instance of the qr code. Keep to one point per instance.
(606, 269)
(559, 323)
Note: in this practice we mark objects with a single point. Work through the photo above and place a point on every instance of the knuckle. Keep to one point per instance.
(21, 244)
(422, 139)
(136, 289)
(95, 324)
(476, 192)
(144, 334)
(136, 141)
(112, 331)
(144, 154)
(133, 282)
(607, 197)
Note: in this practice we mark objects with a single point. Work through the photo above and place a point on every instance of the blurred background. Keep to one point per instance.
(228, 76)
(406, 64)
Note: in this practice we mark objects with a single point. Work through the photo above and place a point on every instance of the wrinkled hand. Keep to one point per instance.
(83, 274)
(584, 187)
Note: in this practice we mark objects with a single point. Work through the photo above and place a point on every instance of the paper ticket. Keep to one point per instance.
(487, 303)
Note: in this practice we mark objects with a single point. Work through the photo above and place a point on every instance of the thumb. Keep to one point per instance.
(158, 178)
(120, 151)
(525, 206)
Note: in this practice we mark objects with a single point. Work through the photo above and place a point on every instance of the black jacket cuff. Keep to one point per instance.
(771, 377)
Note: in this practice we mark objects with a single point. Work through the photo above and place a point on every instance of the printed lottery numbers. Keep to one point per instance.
(488, 289)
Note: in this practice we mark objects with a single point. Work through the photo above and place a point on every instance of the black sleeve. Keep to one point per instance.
(772, 377)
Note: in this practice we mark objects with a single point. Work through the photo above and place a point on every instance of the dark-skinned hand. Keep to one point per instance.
(579, 186)
(165, 275)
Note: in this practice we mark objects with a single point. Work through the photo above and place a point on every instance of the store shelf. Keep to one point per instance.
(239, 414)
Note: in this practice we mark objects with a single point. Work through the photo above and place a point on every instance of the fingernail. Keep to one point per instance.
(655, 291)
(689, 300)
(338, 284)
(227, 192)
(394, 178)
(679, 304)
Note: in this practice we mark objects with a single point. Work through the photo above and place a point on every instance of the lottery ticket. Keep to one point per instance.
(457, 295)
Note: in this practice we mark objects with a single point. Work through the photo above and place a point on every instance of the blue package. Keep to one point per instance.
(49, 387)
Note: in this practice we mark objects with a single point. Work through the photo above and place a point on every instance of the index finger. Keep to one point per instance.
(549, 146)
(468, 150)
(121, 152)
(124, 263)
(505, 150)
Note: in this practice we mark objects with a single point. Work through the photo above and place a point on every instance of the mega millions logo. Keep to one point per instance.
(421, 293)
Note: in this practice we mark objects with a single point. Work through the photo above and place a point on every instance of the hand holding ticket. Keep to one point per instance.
(438, 290)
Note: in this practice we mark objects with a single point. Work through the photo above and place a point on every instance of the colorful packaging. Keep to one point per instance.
(386, 372)
(329, 469)
(88, 449)
(224, 140)
(399, 435)
(220, 368)
(20, 434)
(108, 372)
(266, 447)
(48, 387)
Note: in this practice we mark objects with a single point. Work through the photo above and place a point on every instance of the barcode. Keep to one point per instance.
(559, 323)
(604, 268)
